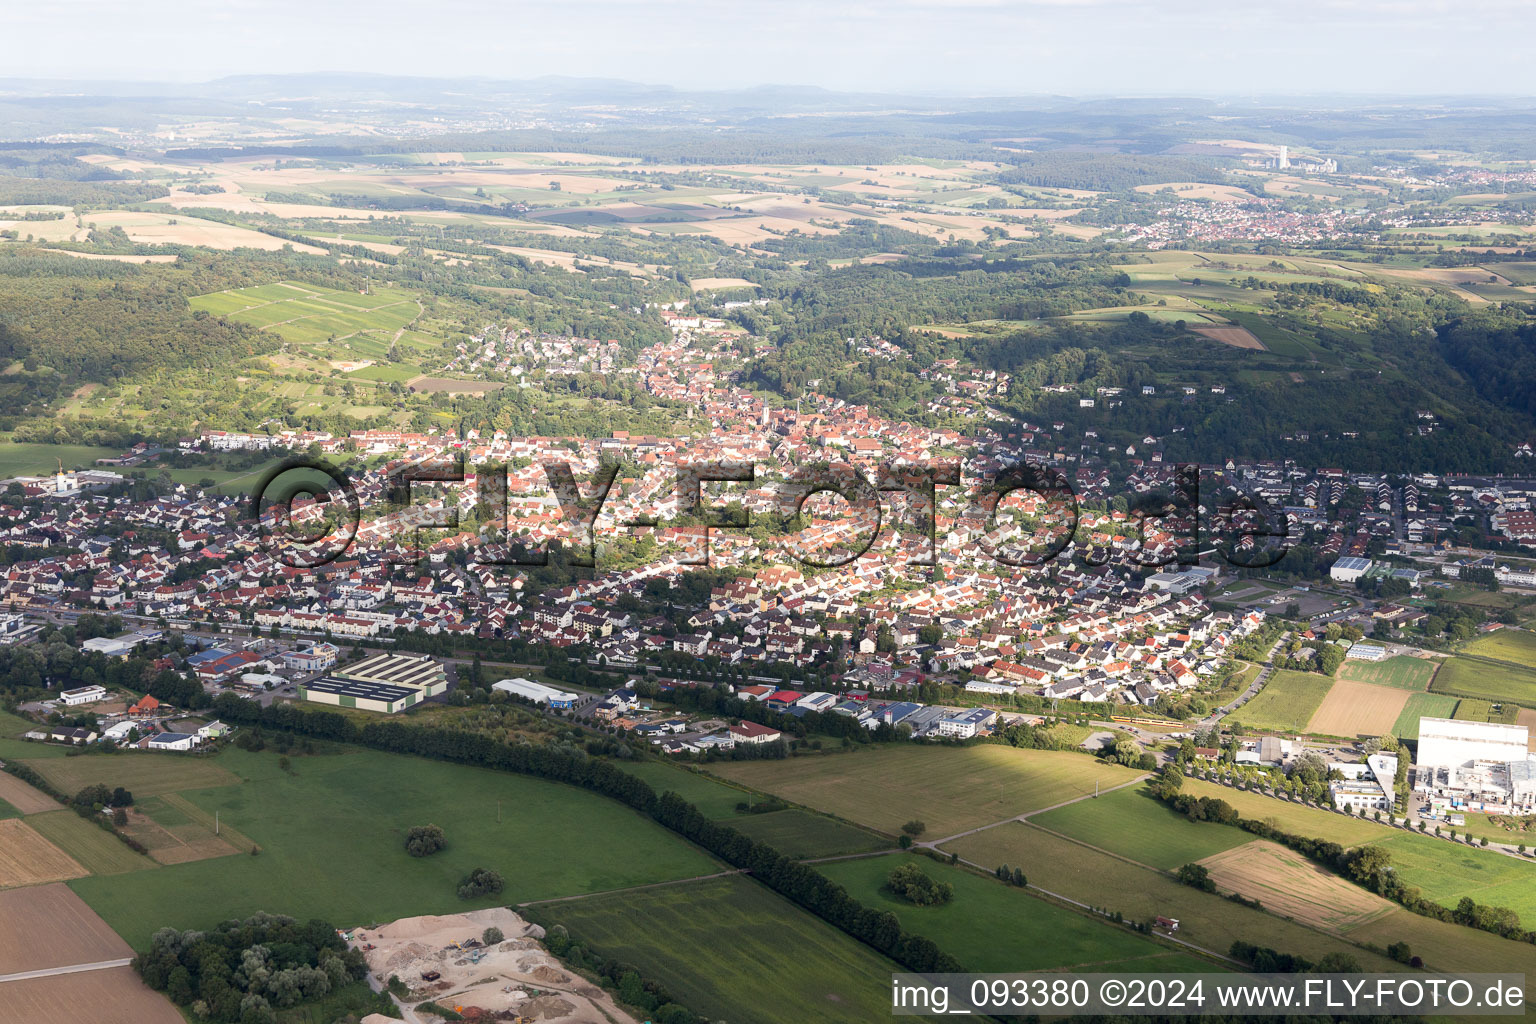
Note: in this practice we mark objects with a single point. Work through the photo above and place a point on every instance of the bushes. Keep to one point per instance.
(1197, 876)
(480, 882)
(492, 936)
(424, 840)
(1013, 876)
(910, 883)
(648, 996)
(241, 970)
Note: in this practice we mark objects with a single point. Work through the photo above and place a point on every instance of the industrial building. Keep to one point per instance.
(352, 693)
(418, 671)
(537, 692)
(1348, 570)
(385, 683)
(1447, 743)
(1372, 789)
(1477, 766)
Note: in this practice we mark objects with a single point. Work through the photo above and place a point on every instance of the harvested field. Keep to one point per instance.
(142, 774)
(1527, 718)
(46, 926)
(1200, 190)
(163, 229)
(450, 386)
(1237, 337)
(124, 258)
(26, 799)
(1290, 885)
(26, 858)
(701, 284)
(1358, 709)
(414, 946)
(113, 996)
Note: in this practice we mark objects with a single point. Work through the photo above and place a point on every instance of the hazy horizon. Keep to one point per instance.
(977, 48)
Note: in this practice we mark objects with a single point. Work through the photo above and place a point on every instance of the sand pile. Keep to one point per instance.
(441, 959)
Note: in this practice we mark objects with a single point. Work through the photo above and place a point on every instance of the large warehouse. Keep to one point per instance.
(1478, 766)
(1445, 743)
(537, 692)
(385, 682)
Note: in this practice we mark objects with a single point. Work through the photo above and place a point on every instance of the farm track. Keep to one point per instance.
(48, 972)
(635, 888)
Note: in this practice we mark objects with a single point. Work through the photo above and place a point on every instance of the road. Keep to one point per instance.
(100, 965)
(1211, 720)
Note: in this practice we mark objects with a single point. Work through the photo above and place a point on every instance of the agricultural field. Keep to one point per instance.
(1401, 672)
(113, 996)
(1486, 680)
(45, 926)
(989, 926)
(331, 830)
(1097, 879)
(802, 834)
(1290, 885)
(1517, 646)
(25, 798)
(1422, 705)
(175, 831)
(1293, 817)
(1287, 702)
(142, 774)
(97, 850)
(1133, 823)
(724, 947)
(23, 459)
(26, 858)
(323, 323)
(1445, 946)
(948, 789)
(1358, 709)
(1446, 871)
(714, 798)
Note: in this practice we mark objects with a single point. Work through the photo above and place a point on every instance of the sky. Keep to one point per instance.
(968, 47)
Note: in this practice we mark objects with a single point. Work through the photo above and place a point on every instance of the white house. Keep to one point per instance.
(83, 695)
(965, 724)
(172, 741)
